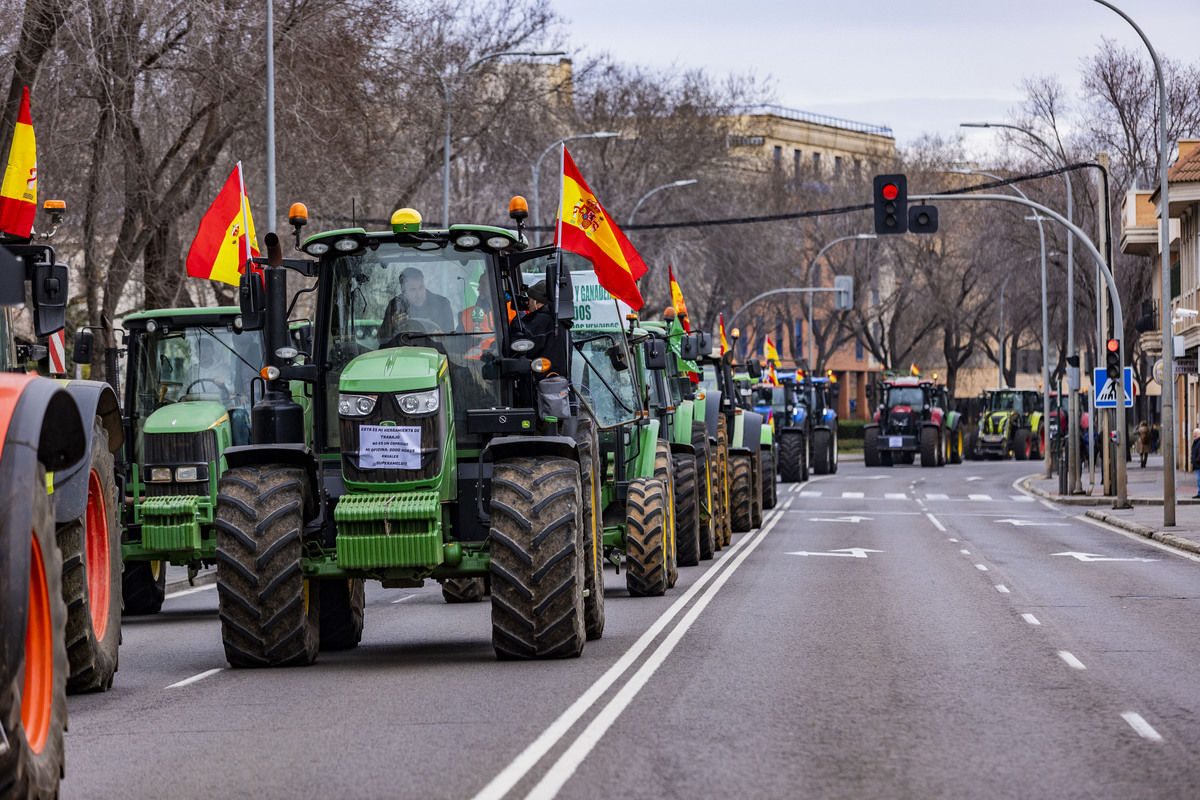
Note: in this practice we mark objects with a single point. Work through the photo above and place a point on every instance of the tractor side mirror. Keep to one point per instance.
(656, 353)
(12, 279)
(252, 298)
(49, 298)
(706, 342)
(85, 341)
(616, 357)
(689, 348)
(754, 369)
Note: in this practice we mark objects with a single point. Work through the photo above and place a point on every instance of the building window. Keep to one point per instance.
(858, 351)
(778, 155)
(816, 162)
(796, 163)
(837, 165)
(857, 169)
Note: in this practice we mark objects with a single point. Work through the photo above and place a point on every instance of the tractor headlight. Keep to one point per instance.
(467, 241)
(417, 403)
(346, 245)
(159, 475)
(191, 474)
(356, 405)
(499, 242)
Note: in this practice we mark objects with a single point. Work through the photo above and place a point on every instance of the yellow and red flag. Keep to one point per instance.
(18, 195)
(681, 312)
(770, 354)
(772, 375)
(913, 370)
(225, 240)
(584, 227)
(721, 328)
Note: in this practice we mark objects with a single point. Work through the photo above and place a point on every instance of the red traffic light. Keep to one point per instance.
(1113, 345)
(890, 191)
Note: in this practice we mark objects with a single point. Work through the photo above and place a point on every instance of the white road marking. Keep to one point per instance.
(953, 539)
(848, 552)
(402, 599)
(1002, 589)
(191, 590)
(520, 766)
(1025, 523)
(1031, 619)
(810, 494)
(1098, 557)
(965, 552)
(975, 478)
(981, 568)
(1137, 537)
(937, 497)
(562, 770)
(1071, 660)
(986, 497)
(195, 678)
(852, 518)
(788, 503)
(1020, 498)
(794, 488)
(1141, 726)
(935, 522)
(895, 496)
(852, 495)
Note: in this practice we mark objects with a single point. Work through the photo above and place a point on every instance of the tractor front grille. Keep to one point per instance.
(900, 422)
(433, 444)
(175, 449)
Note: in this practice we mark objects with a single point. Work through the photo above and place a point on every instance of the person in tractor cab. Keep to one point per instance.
(424, 305)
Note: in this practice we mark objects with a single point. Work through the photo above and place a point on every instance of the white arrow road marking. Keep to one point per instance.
(849, 552)
(1098, 557)
(1022, 523)
(853, 519)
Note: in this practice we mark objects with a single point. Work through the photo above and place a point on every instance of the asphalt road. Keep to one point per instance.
(888, 633)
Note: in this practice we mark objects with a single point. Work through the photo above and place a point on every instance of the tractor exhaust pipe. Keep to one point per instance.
(277, 418)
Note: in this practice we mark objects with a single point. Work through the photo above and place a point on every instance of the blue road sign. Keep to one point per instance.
(1106, 397)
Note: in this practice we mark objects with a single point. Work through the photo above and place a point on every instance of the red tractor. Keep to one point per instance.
(912, 418)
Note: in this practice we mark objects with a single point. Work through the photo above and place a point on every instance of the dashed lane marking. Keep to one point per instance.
(853, 495)
(895, 496)
(1002, 589)
(1031, 619)
(196, 678)
(965, 552)
(937, 497)
(981, 568)
(935, 522)
(984, 497)
(1071, 660)
(1142, 727)
(191, 590)
(402, 599)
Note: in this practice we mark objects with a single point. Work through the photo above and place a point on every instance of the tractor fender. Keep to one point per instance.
(510, 446)
(738, 429)
(935, 417)
(39, 421)
(683, 447)
(1035, 421)
(292, 454)
(684, 414)
(712, 407)
(647, 436)
(753, 428)
(93, 399)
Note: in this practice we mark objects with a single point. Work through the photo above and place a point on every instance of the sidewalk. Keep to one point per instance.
(1145, 492)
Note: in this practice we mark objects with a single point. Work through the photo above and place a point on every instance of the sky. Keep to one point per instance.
(918, 67)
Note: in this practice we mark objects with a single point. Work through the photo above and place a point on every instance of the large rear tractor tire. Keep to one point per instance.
(1023, 447)
(687, 516)
(756, 489)
(705, 484)
(820, 451)
(33, 706)
(725, 483)
(587, 439)
(741, 492)
(769, 493)
(664, 474)
(956, 445)
(929, 446)
(342, 607)
(144, 587)
(833, 451)
(91, 582)
(537, 561)
(270, 615)
(645, 538)
(791, 456)
(871, 454)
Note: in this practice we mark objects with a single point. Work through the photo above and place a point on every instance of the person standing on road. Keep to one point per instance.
(1196, 459)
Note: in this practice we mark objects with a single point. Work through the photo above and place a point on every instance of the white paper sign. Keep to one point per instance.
(389, 447)
(895, 441)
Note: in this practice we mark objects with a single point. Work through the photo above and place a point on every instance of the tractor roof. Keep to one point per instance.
(486, 238)
(183, 317)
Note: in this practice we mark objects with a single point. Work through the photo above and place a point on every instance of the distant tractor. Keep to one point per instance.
(1011, 424)
(911, 420)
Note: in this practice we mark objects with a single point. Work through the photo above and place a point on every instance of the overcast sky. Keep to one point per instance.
(915, 66)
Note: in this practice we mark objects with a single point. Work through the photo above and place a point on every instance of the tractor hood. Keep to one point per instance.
(187, 417)
(996, 422)
(396, 369)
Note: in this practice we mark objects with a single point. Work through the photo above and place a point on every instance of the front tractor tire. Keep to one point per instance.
(34, 703)
(956, 446)
(687, 511)
(646, 538)
(587, 439)
(342, 607)
(792, 459)
(1023, 446)
(871, 454)
(770, 496)
(144, 587)
(270, 616)
(822, 459)
(707, 492)
(537, 559)
(741, 492)
(91, 582)
(664, 473)
(455, 590)
(929, 446)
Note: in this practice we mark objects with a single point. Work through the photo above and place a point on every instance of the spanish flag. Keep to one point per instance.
(18, 196)
(912, 370)
(681, 312)
(721, 328)
(772, 375)
(225, 240)
(584, 227)
(770, 354)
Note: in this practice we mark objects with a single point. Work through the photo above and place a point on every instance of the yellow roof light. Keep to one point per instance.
(518, 208)
(54, 205)
(298, 214)
(406, 220)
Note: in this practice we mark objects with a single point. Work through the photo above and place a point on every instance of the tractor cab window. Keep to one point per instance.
(911, 396)
(608, 390)
(1007, 401)
(415, 295)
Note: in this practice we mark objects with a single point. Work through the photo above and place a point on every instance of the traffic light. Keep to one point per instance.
(922, 219)
(1113, 359)
(891, 204)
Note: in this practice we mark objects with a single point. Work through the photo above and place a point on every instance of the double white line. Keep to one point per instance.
(569, 761)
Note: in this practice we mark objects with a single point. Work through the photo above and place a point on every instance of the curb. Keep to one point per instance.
(203, 579)
(1076, 500)
(1142, 530)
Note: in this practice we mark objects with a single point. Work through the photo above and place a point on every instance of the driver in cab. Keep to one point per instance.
(423, 304)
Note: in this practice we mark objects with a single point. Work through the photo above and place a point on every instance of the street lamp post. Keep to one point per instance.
(1003, 286)
(1164, 247)
(448, 94)
(812, 268)
(537, 168)
(673, 184)
(1073, 423)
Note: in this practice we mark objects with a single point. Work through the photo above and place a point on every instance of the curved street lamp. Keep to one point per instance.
(812, 268)
(671, 185)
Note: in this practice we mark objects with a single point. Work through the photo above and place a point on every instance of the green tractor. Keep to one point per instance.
(744, 438)
(189, 375)
(443, 444)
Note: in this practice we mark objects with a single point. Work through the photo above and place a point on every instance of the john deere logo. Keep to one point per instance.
(387, 423)
(525, 423)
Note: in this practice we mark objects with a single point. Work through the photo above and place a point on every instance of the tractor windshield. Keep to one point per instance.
(187, 364)
(1005, 401)
(596, 374)
(416, 295)
(911, 396)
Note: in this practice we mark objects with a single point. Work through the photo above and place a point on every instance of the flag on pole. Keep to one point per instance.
(681, 312)
(913, 370)
(584, 227)
(225, 240)
(772, 375)
(18, 195)
(770, 354)
(721, 328)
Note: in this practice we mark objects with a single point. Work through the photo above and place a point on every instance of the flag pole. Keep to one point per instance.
(558, 236)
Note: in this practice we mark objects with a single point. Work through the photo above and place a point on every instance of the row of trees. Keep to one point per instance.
(141, 107)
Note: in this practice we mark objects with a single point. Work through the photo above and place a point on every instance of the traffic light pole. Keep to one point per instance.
(1122, 500)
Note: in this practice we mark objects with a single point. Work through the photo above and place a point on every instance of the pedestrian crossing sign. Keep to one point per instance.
(1106, 396)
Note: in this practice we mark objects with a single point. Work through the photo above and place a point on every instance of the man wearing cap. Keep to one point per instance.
(538, 324)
